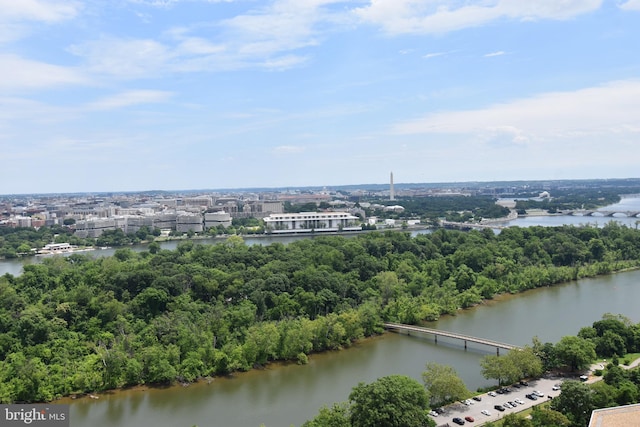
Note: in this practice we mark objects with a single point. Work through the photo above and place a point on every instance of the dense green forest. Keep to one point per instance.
(76, 324)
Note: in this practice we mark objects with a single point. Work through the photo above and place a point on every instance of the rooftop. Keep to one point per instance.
(620, 416)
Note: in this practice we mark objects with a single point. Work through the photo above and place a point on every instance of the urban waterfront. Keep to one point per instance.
(14, 266)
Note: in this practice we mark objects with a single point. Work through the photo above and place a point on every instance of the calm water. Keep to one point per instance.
(290, 394)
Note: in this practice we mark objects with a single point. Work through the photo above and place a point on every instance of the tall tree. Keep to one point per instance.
(499, 368)
(336, 416)
(575, 352)
(393, 401)
(575, 402)
(548, 418)
(443, 384)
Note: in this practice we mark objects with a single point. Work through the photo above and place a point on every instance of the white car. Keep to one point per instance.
(519, 402)
(537, 393)
(492, 394)
(556, 387)
(486, 412)
(433, 413)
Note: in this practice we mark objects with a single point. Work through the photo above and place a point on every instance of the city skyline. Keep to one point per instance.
(136, 95)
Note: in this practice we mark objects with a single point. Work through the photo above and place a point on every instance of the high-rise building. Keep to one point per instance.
(392, 194)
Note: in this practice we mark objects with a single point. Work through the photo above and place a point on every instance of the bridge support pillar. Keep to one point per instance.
(465, 344)
(497, 351)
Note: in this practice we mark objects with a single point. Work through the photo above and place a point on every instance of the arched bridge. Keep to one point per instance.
(399, 327)
(579, 212)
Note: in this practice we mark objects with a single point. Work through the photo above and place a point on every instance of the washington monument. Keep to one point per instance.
(392, 193)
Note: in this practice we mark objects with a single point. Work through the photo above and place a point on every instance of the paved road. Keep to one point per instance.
(544, 385)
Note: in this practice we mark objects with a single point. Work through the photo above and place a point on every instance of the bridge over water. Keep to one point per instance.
(399, 327)
(584, 212)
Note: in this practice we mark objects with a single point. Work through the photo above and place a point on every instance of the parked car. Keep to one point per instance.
(486, 412)
(519, 401)
(469, 418)
(524, 383)
(537, 393)
(556, 387)
(498, 408)
(477, 398)
(513, 404)
(433, 413)
(531, 396)
(458, 421)
(506, 405)
(492, 394)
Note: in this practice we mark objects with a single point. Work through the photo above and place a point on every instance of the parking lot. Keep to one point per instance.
(544, 386)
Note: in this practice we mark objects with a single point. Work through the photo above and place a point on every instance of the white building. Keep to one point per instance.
(188, 221)
(214, 219)
(307, 222)
(94, 227)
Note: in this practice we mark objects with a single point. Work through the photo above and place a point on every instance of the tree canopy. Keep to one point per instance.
(392, 401)
(443, 384)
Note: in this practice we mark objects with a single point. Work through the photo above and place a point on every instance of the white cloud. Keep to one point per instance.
(133, 97)
(267, 37)
(169, 3)
(630, 5)
(124, 57)
(441, 16)
(18, 16)
(433, 55)
(498, 53)
(38, 10)
(612, 108)
(19, 73)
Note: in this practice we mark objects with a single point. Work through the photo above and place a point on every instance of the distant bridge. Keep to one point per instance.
(399, 327)
(597, 213)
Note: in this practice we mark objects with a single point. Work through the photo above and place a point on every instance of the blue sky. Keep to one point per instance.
(128, 95)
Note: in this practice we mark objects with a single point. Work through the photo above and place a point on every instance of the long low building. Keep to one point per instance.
(307, 222)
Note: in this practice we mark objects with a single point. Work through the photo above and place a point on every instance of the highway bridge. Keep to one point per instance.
(408, 329)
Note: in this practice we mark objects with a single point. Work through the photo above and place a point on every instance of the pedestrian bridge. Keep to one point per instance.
(408, 329)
